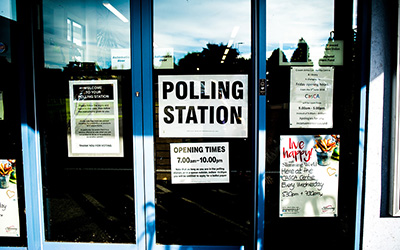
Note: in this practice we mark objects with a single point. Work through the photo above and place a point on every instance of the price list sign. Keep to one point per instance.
(199, 162)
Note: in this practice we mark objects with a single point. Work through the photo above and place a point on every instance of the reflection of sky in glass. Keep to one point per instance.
(189, 25)
(186, 26)
(290, 20)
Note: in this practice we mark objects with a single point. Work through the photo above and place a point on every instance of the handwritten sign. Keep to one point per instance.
(9, 212)
(309, 172)
(311, 97)
(199, 162)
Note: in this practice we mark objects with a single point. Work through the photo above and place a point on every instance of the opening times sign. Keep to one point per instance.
(203, 106)
(199, 163)
(94, 118)
(311, 97)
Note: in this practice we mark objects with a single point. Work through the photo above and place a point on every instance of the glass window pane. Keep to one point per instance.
(86, 122)
(8, 9)
(12, 200)
(311, 105)
(202, 50)
(86, 32)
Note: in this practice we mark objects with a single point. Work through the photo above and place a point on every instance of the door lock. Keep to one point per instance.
(262, 86)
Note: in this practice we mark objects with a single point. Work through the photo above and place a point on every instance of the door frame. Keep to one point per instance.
(258, 21)
(143, 134)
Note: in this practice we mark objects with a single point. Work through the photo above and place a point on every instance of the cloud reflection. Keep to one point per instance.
(187, 26)
(290, 20)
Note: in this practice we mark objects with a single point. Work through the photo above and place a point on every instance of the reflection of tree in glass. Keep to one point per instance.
(301, 54)
(278, 78)
(278, 93)
(214, 59)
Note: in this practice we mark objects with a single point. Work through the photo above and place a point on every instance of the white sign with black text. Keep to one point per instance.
(94, 119)
(311, 97)
(203, 105)
(199, 162)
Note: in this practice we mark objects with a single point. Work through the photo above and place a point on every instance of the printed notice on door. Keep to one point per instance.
(311, 97)
(199, 162)
(309, 173)
(94, 120)
(203, 106)
(9, 211)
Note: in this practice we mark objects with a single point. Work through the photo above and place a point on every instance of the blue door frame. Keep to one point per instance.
(142, 103)
(259, 72)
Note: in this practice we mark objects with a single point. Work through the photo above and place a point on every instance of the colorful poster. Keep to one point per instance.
(311, 97)
(203, 106)
(94, 119)
(9, 212)
(309, 173)
(199, 162)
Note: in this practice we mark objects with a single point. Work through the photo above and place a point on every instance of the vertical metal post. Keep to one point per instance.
(259, 135)
(148, 134)
(28, 17)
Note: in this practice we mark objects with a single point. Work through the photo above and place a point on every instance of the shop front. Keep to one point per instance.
(181, 124)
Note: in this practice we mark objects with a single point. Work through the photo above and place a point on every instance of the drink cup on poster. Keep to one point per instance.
(5, 170)
(324, 158)
(324, 149)
(4, 181)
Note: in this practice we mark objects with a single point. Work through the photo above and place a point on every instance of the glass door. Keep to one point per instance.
(203, 177)
(155, 127)
(98, 113)
(86, 119)
(312, 124)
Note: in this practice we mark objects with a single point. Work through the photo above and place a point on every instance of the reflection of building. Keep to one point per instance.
(301, 54)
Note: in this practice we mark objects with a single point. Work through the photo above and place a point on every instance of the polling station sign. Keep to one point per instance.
(203, 106)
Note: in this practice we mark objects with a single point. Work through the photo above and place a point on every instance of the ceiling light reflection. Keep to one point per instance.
(115, 12)
(235, 31)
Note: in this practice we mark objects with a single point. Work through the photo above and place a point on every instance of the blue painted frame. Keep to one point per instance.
(142, 106)
(141, 36)
(363, 11)
(259, 72)
(141, 54)
(30, 137)
(259, 29)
